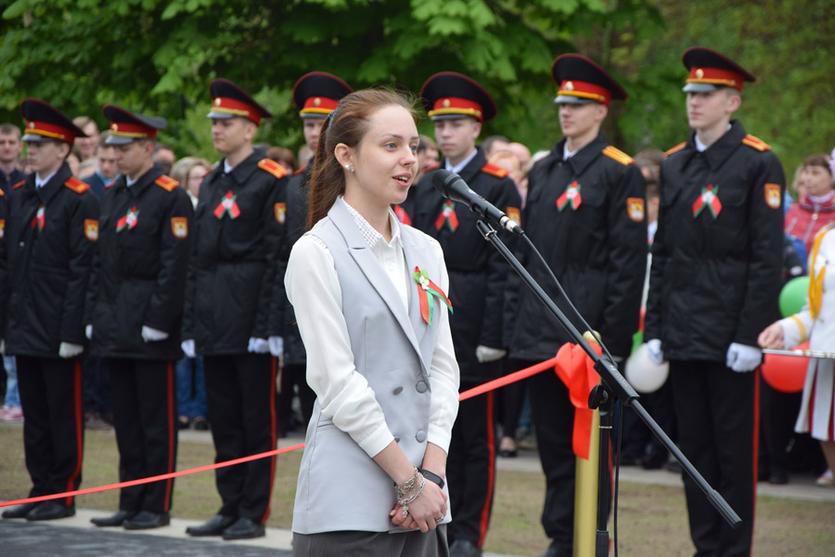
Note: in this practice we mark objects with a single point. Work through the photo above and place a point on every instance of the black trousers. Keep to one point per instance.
(293, 375)
(241, 395)
(553, 420)
(53, 429)
(144, 413)
(717, 411)
(471, 468)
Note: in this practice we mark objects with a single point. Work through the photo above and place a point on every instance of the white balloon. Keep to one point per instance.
(643, 374)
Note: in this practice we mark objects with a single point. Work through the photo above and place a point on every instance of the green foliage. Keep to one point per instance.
(158, 56)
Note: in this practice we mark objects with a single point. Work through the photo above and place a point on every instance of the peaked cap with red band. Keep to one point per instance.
(450, 95)
(581, 80)
(126, 126)
(317, 94)
(230, 101)
(710, 70)
(46, 123)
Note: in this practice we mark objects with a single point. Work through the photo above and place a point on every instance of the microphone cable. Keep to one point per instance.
(618, 440)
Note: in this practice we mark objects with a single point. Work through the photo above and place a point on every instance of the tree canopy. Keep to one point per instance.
(157, 56)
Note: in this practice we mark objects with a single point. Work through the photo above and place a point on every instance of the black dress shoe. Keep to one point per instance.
(212, 527)
(116, 519)
(778, 476)
(146, 520)
(244, 529)
(464, 548)
(18, 511)
(50, 510)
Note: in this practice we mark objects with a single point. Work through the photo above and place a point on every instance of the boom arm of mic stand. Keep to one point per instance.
(611, 377)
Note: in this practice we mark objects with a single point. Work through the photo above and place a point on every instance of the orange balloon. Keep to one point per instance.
(786, 373)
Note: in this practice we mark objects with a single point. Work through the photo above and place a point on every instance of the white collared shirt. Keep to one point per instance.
(41, 182)
(461, 165)
(566, 154)
(344, 395)
(227, 168)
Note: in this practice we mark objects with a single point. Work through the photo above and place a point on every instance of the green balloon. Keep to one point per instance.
(793, 296)
(637, 340)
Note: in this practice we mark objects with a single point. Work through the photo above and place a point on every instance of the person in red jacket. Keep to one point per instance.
(816, 206)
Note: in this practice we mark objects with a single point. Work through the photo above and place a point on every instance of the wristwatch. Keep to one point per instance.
(432, 477)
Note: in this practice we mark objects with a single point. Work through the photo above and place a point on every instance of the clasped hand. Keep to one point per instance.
(425, 512)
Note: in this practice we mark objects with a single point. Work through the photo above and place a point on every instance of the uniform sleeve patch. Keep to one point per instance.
(2, 228)
(280, 210)
(2, 193)
(76, 185)
(179, 227)
(269, 165)
(675, 148)
(91, 229)
(514, 213)
(635, 208)
(616, 154)
(756, 143)
(494, 170)
(773, 195)
(167, 183)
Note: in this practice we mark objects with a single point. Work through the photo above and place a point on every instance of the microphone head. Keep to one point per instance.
(441, 180)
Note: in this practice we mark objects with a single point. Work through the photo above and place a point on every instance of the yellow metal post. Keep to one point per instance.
(585, 495)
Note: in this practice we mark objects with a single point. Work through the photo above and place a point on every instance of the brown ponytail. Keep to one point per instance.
(347, 124)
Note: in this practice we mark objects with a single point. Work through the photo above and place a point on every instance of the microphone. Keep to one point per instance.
(453, 187)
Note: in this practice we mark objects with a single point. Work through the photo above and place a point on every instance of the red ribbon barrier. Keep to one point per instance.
(564, 364)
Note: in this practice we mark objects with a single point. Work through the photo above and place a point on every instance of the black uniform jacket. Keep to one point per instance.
(50, 235)
(716, 280)
(282, 319)
(477, 273)
(235, 259)
(597, 249)
(4, 265)
(141, 265)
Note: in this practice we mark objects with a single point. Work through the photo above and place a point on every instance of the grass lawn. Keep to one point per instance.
(652, 519)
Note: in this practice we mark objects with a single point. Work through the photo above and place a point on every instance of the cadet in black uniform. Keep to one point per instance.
(316, 95)
(135, 310)
(238, 230)
(458, 106)
(50, 233)
(715, 278)
(585, 213)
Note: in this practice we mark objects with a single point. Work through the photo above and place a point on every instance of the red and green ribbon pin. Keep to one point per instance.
(227, 206)
(447, 217)
(709, 198)
(571, 196)
(129, 220)
(427, 289)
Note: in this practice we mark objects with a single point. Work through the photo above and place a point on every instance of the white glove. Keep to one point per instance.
(149, 334)
(276, 346)
(258, 345)
(486, 354)
(743, 358)
(188, 348)
(88, 332)
(655, 352)
(69, 350)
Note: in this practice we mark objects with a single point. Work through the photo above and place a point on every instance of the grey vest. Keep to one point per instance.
(340, 487)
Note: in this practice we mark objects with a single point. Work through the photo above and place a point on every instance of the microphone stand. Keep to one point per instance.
(612, 384)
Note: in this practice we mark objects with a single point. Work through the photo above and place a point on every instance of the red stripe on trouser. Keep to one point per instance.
(273, 435)
(491, 473)
(169, 385)
(755, 463)
(78, 415)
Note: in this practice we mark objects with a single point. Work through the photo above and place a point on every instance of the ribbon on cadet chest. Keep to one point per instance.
(129, 220)
(571, 196)
(227, 206)
(427, 290)
(708, 198)
(447, 217)
(39, 221)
